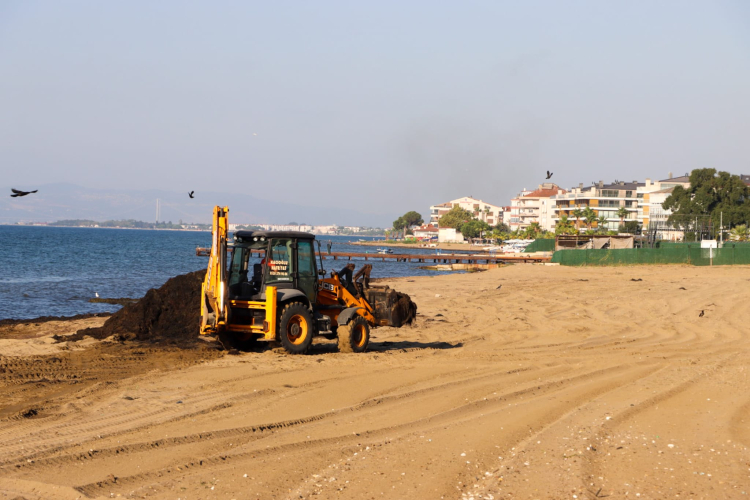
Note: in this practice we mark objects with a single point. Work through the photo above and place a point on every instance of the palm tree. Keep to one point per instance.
(589, 217)
(533, 231)
(601, 221)
(622, 212)
(565, 226)
(578, 214)
(739, 233)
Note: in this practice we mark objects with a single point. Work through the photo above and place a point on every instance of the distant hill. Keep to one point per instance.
(67, 201)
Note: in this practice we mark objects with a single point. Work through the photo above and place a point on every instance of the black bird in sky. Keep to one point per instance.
(191, 194)
(549, 174)
(701, 314)
(16, 192)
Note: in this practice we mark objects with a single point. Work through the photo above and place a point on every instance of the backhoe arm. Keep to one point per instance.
(214, 289)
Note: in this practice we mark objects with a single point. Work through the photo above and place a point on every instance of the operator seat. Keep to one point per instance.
(257, 278)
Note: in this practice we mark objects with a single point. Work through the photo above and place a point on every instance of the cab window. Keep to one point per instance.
(279, 265)
(305, 258)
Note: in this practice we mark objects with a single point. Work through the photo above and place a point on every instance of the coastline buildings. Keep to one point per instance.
(604, 199)
(491, 214)
(534, 206)
(642, 201)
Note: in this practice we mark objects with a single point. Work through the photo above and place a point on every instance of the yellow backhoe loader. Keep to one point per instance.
(271, 289)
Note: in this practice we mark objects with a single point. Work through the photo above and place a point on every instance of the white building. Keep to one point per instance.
(534, 206)
(450, 235)
(486, 212)
(426, 232)
(652, 194)
(286, 227)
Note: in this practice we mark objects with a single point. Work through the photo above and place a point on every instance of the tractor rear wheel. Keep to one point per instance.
(355, 336)
(296, 328)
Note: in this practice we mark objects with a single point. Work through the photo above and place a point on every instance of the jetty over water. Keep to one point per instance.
(441, 258)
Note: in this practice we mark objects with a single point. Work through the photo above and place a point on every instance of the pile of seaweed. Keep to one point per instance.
(404, 310)
(170, 314)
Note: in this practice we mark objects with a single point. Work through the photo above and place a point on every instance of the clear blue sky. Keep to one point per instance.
(391, 106)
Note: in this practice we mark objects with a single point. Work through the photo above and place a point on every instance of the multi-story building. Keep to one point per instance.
(652, 194)
(534, 206)
(491, 214)
(604, 199)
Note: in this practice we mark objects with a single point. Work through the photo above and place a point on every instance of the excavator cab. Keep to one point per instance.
(246, 270)
(282, 259)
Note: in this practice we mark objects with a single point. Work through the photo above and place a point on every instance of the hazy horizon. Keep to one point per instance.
(376, 108)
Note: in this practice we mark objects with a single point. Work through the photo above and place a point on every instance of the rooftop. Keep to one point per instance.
(682, 178)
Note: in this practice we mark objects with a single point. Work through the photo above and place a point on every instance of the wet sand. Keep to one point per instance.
(561, 382)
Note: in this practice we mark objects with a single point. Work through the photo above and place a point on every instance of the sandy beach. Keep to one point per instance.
(526, 381)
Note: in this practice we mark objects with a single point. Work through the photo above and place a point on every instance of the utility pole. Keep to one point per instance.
(721, 227)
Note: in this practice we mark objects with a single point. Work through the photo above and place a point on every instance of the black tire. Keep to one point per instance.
(296, 328)
(355, 336)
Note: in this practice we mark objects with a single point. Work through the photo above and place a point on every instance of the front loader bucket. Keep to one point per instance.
(391, 308)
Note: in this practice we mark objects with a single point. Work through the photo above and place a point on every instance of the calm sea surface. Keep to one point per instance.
(51, 271)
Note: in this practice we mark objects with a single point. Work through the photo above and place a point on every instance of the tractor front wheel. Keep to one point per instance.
(354, 336)
(296, 328)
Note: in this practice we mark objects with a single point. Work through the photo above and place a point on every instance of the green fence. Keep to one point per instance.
(730, 254)
(684, 254)
(541, 245)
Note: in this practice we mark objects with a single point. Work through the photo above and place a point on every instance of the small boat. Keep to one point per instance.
(384, 250)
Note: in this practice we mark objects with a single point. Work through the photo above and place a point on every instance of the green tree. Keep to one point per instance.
(589, 217)
(533, 231)
(501, 227)
(722, 196)
(601, 222)
(578, 214)
(565, 226)
(474, 228)
(412, 218)
(631, 227)
(739, 233)
(399, 224)
(622, 212)
(455, 218)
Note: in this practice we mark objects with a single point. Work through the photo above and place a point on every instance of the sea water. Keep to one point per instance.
(55, 271)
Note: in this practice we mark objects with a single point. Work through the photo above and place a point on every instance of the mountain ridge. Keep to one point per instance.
(71, 201)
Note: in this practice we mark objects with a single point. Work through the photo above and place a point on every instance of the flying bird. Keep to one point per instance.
(701, 314)
(191, 194)
(549, 174)
(16, 192)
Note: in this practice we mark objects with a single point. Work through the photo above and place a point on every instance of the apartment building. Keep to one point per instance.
(491, 214)
(652, 194)
(534, 206)
(604, 199)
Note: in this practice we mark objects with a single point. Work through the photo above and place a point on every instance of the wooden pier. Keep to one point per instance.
(455, 258)
(443, 258)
